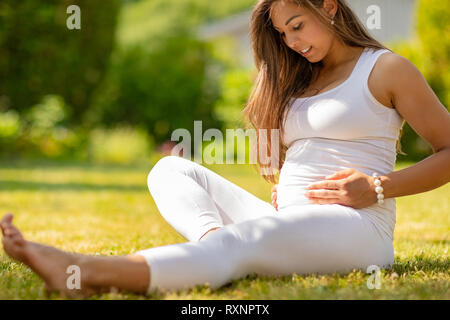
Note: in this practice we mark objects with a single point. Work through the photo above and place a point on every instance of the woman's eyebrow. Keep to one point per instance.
(289, 20)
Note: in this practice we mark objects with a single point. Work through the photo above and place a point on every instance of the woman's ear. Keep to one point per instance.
(330, 7)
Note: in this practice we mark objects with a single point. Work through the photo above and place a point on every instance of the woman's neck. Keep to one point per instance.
(340, 54)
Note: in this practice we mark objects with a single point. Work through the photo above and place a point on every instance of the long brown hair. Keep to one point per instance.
(283, 73)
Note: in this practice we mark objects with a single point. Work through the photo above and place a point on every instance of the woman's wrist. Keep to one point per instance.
(378, 188)
(385, 184)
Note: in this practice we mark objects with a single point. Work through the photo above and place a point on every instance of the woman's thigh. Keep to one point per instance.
(311, 239)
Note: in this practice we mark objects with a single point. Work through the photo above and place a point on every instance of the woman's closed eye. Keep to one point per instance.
(296, 28)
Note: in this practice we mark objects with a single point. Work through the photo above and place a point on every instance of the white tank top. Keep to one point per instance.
(345, 127)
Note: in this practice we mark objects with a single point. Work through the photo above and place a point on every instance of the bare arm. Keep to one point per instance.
(416, 102)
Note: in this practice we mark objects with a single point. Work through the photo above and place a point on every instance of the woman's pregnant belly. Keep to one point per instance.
(309, 161)
(301, 168)
(294, 179)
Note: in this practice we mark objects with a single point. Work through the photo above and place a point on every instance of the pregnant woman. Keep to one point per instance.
(340, 100)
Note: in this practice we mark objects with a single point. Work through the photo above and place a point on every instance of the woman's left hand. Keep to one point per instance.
(348, 187)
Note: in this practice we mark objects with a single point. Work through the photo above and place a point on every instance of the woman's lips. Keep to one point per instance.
(307, 52)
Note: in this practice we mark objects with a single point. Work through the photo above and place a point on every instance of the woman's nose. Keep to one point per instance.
(291, 42)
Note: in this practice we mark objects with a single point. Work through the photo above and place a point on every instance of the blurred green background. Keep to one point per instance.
(114, 91)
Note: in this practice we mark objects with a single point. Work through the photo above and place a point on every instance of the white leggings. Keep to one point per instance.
(255, 238)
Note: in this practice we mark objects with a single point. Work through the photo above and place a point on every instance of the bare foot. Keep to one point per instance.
(49, 263)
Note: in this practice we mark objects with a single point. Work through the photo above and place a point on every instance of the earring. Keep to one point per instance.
(332, 21)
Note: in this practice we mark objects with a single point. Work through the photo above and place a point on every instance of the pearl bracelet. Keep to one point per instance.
(378, 189)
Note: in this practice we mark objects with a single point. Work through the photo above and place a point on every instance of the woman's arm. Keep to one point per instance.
(416, 102)
(428, 174)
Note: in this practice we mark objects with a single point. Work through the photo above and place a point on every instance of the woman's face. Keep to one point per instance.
(301, 30)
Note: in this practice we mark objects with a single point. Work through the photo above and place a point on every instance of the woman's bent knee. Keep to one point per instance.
(164, 166)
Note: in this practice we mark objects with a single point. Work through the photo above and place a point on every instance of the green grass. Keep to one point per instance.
(107, 210)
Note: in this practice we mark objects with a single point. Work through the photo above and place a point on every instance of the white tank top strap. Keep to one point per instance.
(376, 53)
(369, 60)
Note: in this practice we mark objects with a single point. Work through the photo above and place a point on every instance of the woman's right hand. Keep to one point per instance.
(274, 196)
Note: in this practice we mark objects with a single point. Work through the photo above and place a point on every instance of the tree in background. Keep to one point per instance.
(39, 55)
(161, 90)
(161, 77)
(153, 75)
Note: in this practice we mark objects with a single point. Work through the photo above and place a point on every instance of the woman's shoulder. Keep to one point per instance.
(389, 62)
(389, 59)
(385, 75)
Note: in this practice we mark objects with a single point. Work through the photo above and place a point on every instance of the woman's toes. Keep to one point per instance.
(7, 219)
(6, 223)
(11, 232)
